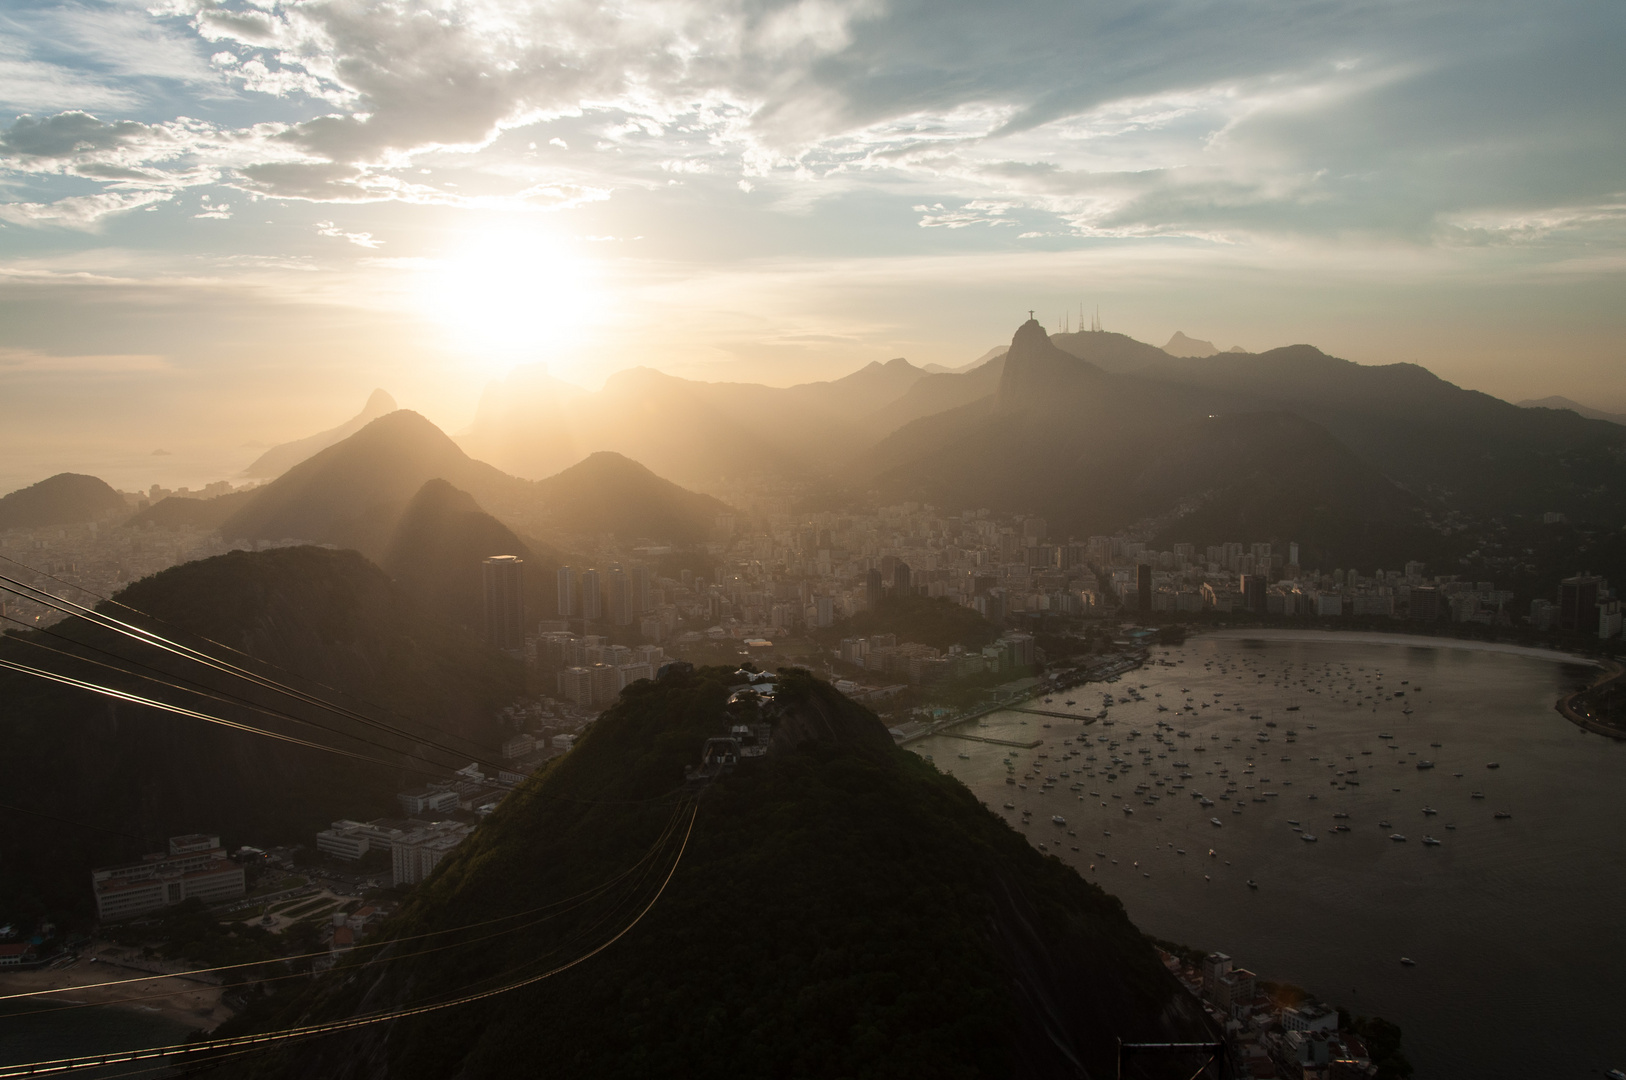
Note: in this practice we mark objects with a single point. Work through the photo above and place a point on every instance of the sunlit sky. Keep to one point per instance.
(223, 224)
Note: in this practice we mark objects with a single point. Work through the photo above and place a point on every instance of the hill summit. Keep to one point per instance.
(279, 459)
(841, 909)
(63, 499)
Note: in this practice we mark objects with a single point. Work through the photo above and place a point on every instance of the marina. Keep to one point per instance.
(1471, 900)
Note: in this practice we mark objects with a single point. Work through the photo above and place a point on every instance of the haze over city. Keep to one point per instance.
(813, 538)
(321, 199)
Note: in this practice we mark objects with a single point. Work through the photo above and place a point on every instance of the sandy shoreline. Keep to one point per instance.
(1415, 641)
(185, 1001)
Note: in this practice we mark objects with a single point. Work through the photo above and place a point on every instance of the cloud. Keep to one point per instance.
(84, 212)
(31, 362)
(1156, 118)
(360, 239)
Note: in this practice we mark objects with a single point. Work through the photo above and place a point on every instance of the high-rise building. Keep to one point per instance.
(1143, 588)
(900, 579)
(1425, 603)
(618, 596)
(1578, 602)
(567, 592)
(1253, 593)
(1293, 553)
(872, 589)
(505, 602)
(643, 599)
(592, 600)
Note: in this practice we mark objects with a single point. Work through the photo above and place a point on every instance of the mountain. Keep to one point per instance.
(1460, 450)
(1109, 351)
(329, 621)
(63, 499)
(992, 354)
(177, 511)
(523, 423)
(865, 389)
(939, 393)
(1180, 345)
(353, 493)
(693, 433)
(841, 908)
(1095, 452)
(440, 545)
(1576, 407)
(279, 459)
(609, 493)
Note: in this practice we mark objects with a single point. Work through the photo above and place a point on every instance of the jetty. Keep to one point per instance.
(1029, 745)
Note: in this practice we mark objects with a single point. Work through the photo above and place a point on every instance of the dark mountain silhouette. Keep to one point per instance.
(353, 493)
(1095, 452)
(1290, 443)
(841, 909)
(440, 545)
(329, 617)
(1576, 407)
(63, 499)
(177, 511)
(609, 493)
(279, 459)
(1460, 450)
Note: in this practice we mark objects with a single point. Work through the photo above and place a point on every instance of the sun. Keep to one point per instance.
(513, 296)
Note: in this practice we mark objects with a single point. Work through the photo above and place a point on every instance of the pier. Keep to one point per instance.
(1029, 745)
(1048, 712)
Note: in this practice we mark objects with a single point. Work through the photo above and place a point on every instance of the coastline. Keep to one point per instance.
(1567, 704)
(1415, 641)
(190, 1002)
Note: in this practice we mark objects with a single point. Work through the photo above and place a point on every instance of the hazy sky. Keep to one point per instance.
(223, 224)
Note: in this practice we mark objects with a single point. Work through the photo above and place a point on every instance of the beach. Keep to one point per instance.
(189, 1001)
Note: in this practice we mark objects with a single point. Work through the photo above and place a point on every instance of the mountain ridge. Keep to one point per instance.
(284, 456)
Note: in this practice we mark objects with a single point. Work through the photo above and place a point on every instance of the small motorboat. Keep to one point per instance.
(1216, 822)
(1397, 838)
(1252, 884)
(1430, 841)
(1058, 820)
(1408, 961)
(1307, 837)
(1493, 765)
(1502, 815)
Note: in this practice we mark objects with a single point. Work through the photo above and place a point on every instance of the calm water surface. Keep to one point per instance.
(29, 1035)
(1517, 926)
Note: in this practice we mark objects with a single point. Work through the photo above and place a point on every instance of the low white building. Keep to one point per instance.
(195, 867)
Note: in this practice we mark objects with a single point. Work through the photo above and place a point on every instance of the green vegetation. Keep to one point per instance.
(110, 774)
(188, 931)
(1382, 1040)
(935, 622)
(843, 909)
(64, 499)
